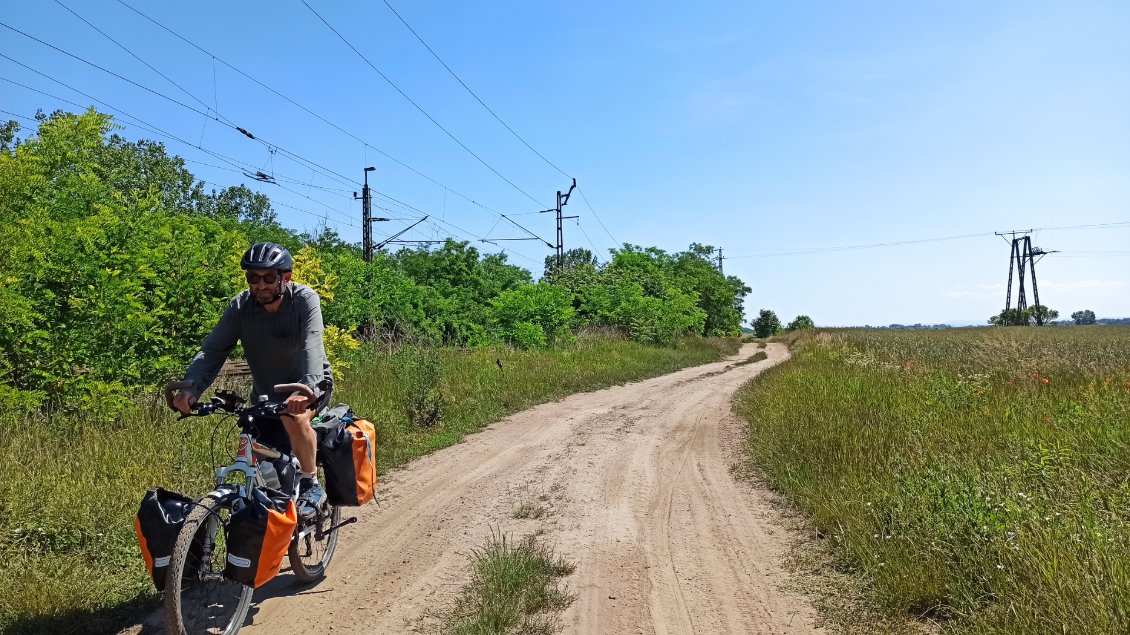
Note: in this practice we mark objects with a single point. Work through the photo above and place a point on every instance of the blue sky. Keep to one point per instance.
(778, 133)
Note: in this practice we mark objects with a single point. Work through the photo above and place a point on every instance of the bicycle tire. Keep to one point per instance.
(204, 602)
(309, 556)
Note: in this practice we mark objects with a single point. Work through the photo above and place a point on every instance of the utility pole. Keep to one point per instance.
(720, 260)
(1023, 257)
(562, 201)
(367, 217)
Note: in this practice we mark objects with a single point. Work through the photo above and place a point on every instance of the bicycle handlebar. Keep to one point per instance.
(172, 387)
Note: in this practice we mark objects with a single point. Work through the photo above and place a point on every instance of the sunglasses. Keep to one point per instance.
(268, 278)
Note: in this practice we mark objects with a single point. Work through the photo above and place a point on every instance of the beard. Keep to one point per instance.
(268, 295)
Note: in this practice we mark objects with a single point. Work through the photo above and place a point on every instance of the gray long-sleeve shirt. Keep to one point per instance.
(281, 347)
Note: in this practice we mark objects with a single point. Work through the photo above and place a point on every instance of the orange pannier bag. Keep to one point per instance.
(258, 536)
(348, 455)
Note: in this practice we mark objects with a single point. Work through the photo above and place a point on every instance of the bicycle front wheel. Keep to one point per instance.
(198, 598)
(314, 544)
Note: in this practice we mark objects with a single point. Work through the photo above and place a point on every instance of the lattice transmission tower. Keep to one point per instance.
(1022, 259)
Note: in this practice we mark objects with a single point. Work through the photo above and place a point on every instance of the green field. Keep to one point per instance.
(974, 477)
(69, 562)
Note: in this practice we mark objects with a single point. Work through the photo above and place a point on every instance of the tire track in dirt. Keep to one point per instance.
(637, 485)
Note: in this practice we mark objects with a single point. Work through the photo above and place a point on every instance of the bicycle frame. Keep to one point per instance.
(247, 461)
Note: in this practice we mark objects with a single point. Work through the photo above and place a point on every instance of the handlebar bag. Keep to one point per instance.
(348, 455)
(258, 536)
(159, 519)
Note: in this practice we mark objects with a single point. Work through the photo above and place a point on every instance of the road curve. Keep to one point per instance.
(636, 485)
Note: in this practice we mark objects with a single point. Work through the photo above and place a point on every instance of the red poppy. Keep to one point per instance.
(1047, 420)
(1045, 380)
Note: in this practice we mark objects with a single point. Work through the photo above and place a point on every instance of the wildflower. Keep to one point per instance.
(1035, 375)
(1045, 380)
(1047, 419)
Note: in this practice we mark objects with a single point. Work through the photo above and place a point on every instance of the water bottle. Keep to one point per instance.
(270, 475)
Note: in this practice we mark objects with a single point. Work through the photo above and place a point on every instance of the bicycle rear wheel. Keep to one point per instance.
(314, 544)
(198, 598)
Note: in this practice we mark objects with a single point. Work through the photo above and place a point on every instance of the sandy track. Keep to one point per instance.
(637, 487)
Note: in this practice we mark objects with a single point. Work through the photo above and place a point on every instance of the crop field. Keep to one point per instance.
(977, 478)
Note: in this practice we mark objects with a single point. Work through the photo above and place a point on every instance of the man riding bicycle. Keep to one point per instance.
(280, 325)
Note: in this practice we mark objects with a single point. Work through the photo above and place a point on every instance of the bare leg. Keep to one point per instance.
(303, 440)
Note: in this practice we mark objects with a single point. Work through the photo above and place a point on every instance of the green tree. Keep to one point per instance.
(8, 132)
(458, 286)
(766, 324)
(1042, 314)
(1083, 317)
(720, 297)
(572, 259)
(533, 315)
(800, 322)
(1038, 314)
(107, 284)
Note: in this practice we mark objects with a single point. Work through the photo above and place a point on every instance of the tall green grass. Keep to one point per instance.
(514, 590)
(71, 485)
(977, 476)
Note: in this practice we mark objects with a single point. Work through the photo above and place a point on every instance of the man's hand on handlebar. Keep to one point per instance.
(297, 404)
(184, 400)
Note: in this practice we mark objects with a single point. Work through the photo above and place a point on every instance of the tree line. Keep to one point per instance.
(116, 262)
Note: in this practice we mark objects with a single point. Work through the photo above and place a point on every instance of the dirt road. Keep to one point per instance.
(637, 492)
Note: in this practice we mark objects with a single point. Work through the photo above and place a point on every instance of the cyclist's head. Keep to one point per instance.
(267, 266)
(267, 256)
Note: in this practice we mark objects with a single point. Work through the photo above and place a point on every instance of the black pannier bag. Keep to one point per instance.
(258, 536)
(158, 522)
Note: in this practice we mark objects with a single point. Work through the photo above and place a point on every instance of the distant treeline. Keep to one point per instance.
(935, 327)
(115, 263)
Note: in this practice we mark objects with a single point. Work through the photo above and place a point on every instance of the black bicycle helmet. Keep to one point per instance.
(267, 256)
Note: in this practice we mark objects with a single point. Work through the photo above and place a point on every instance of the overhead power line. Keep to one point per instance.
(800, 251)
(472, 93)
(286, 205)
(814, 250)
(138, 58)
(436, 222)
(18, 116)
(417, 106)
(304, 108)
(216, 117)
(594, 215)
(493, 113)
(153, 129)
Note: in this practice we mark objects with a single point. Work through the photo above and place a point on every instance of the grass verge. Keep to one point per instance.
(978, 478)
(753, 359)
(514, 589)
(69, 561)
